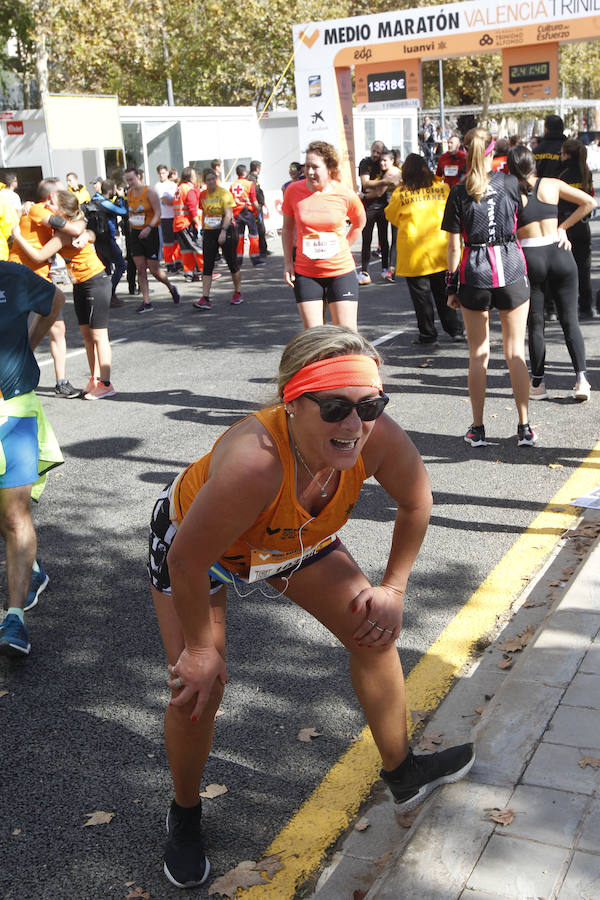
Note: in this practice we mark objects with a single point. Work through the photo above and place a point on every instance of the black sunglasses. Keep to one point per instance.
(335, 409)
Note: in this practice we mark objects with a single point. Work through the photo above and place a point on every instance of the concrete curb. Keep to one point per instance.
(524, 761)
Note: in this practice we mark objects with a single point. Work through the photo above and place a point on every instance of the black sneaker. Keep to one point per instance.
(186, 864)
(415, 778)
(475, 436)
(526, 436)
(66, 389)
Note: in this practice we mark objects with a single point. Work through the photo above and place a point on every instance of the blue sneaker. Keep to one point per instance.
(14, 639)
(39, 582)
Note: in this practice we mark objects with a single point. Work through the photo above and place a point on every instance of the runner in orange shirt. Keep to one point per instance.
(144, 219)
(318, 208)
(36, 226)
(91, 293)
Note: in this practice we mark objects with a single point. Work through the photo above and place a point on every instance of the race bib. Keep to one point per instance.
(212, 221)
(267, 563)
(323, 245)
(451, 170)
(137, 221)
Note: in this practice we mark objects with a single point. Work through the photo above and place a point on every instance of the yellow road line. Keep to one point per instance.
(328, 811)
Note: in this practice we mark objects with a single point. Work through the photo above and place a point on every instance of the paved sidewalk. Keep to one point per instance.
(536, 727)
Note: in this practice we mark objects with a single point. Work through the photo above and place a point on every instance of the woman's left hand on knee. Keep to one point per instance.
(378, 612)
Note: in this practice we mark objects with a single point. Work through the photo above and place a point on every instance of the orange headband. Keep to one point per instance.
(335, 372)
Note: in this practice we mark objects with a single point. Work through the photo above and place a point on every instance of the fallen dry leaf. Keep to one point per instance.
(554, 584)
(307, 734)
(566, 573)
(493, 415)
(3, 693)
(219, 712)
(592, 761)
(129, 883)
(99, 817)
(405, 820)
(243, 876)
(269, 864)
(519, 641)
(555, 466)
(419, 715)
(425, 365)
(531, 603)
(213, 790)
(362, 824)
(17, 831)
(382, 861)
(355, 740)
(502, 816)
(511, 645)
(137, 892)
(506, 663)
(430, 741)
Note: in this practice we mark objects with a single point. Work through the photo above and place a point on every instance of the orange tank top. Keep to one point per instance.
(274, 543)
(82, 264)
(140, 208)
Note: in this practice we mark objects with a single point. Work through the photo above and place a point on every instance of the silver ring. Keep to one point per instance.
(389, 630)
(379, 628)
(177, 683)
(374, 624)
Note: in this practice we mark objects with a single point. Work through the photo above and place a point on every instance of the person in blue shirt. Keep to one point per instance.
(28, 447)
(111, 200)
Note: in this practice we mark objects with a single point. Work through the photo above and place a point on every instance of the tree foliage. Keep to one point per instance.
(212, 55)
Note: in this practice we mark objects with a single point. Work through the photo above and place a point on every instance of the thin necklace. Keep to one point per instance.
(314, 477)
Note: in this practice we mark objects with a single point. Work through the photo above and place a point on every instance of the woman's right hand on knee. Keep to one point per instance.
(195, 673)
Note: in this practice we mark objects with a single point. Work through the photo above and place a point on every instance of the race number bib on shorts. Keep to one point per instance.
(137, 221)
(320, 246)
(450, 171)
(212, 221)
(267, 563)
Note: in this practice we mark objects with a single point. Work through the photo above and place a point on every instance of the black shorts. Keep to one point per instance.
(330, 290)
(508, 297)
(91, 300)
(148, 246)
(210, 246)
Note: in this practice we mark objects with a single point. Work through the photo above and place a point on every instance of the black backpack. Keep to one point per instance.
(96, 218)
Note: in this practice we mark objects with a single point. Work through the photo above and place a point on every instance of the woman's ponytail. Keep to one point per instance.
(477, 140)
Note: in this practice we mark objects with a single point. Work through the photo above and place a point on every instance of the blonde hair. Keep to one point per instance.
(321, 342)
(68, 204)
(476, 182)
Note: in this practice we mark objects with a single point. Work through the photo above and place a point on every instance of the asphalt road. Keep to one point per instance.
(81, 718)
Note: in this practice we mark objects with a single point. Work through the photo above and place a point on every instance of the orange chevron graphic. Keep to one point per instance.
(309, 41)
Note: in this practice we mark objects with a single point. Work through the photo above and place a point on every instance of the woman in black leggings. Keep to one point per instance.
(549, 258)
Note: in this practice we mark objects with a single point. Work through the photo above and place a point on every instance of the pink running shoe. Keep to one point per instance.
(236, 299)
(101, 391)
(89, 388)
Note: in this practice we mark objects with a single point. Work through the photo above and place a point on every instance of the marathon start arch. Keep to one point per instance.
(386, 49)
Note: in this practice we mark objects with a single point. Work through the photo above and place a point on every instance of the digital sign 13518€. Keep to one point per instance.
(387, 86)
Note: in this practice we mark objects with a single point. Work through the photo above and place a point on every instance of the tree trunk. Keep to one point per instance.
(41, 65)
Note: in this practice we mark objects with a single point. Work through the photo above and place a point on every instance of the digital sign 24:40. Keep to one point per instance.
(387, 86)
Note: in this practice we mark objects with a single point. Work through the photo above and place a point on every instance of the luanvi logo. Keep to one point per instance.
(309, 40)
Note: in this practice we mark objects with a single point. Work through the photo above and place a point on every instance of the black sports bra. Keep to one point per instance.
(536, 210)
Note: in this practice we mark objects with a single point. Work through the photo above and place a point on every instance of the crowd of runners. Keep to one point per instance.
(489, 224)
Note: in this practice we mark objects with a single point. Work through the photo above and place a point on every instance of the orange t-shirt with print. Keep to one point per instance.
(321, 217)
(83, 264)
(141, 212)
(273, 541)
(35, 233)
